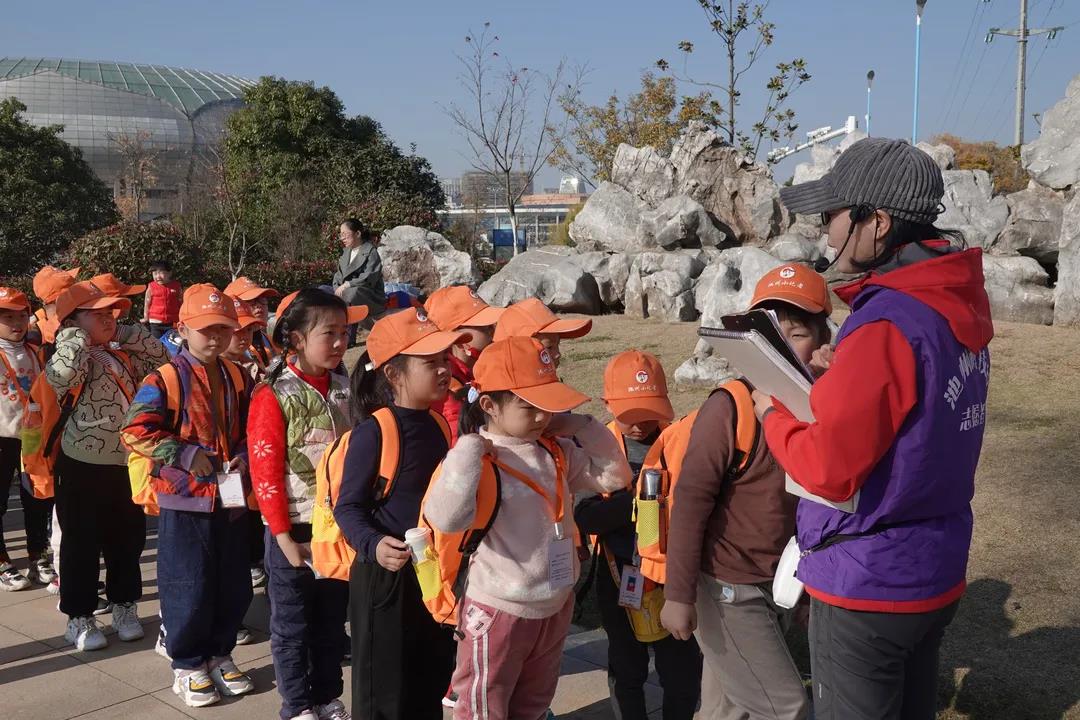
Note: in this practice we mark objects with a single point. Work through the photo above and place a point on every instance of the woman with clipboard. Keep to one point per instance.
(899, 417)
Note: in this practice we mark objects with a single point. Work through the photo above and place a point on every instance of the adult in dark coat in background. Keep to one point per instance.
(359, 280)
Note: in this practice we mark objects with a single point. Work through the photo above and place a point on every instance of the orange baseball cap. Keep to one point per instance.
(408, 332)
(245, 289)
(205, 306)
(796, 285)
(86, 296)
(524, 367)
(112, 285)
(460, 306)
(353, 313)
(13, 299)
(530, 317)
(244, 316)
(49, 282)
(635, 388)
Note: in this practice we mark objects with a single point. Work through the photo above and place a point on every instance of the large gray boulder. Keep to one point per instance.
(681, 222)
(551, 274)
(1053, 159)
(1067, 290)
(790, 247)
(1034, 225)
(726, 286)
(739, 193)
(970, 206)
(610, 221)
(1019, 290)
(661, 285)
(423, 258)
(611, 271)
(644, 173)
(944, 155)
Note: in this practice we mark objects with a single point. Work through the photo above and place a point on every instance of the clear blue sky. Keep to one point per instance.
(395, 60)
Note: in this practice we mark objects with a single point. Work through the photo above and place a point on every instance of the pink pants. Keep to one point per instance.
(507, 666)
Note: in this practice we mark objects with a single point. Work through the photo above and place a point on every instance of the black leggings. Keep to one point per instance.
(36, 513)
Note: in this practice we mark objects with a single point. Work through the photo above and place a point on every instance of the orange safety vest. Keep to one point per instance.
(331, 554)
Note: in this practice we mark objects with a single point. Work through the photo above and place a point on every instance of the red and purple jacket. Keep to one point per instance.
(899, 417)
(172, 443)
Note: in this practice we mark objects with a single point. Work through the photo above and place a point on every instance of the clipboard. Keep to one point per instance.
(767, 324)
(769, 370)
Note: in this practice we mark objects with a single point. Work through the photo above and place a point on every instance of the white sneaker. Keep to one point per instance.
(159, 644)
(258, 576)
(195, 688)
(333, 710)
(306, 715)
(54, 587)
(41, 571)
(125, 621)
(11, 580)
(229, 679)
(244, 636)
(85, 634)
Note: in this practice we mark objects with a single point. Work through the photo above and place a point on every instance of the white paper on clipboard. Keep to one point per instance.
(758, 361)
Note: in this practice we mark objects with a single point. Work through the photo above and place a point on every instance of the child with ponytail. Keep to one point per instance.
(402, 658)
(299, 411)
(518, 599)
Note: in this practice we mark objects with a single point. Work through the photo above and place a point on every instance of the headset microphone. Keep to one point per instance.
(857, 215)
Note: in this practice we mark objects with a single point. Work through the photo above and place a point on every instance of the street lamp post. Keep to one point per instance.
(869, 84)
(919, 5)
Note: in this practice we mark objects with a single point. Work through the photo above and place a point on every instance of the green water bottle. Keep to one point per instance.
(30, 432)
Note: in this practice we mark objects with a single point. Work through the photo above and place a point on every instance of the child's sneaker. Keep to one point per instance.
(125, 621)
(195, 688)
(41, 571)
(104, 607)
(306, 715)
(53, 588)
(85, 634)
(450, 699)
(11, 580)
(333, 710)
(258, 576)
(244, 636)
(228, 678)
(159, 644)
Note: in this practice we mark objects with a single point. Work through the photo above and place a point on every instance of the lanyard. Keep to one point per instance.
(556, 505)
(217, 411)
(23, 397)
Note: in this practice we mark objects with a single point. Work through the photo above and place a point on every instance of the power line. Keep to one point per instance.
(971, 85)
(961, 67)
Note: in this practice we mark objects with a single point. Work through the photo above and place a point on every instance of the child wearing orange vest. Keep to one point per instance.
(635, 391)
(519, 598)
(161, 308)
(402, 658)
(258, 301)
(728, 530)
(301, 409)
(460, 308)
(104, 365)
(19, 367)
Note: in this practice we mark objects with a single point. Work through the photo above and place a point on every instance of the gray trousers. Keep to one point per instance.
(749, 673)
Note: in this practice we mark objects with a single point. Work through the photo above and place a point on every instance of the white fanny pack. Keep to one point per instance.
(786, 586)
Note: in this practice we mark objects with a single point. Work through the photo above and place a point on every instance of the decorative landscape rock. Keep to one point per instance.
(971, 207)
(792, 248)
(1034, 224)
(1018, 289)
(661, 285)
(611, 271)
(644, 173)
(681, 222)
(610, 220)
(1053, 159)
(1067, 291)
(943, 154)
(551, 274)
(423, 258)
(703, 369)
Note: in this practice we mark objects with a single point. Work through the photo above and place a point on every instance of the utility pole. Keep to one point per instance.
(1022, 34)
(920, 5)
(869, 84)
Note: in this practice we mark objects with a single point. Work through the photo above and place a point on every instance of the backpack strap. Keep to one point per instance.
(174, 393)
(747, 427)
(443, 426)
(389, 437)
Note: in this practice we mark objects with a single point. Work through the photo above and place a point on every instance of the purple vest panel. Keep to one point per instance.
(919, 494)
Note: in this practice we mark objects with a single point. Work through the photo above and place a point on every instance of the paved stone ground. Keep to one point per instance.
(44, 678)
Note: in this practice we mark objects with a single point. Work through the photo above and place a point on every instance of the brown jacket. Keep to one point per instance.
(732, 531)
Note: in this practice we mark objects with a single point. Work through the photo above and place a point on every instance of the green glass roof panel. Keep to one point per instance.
(186, 90)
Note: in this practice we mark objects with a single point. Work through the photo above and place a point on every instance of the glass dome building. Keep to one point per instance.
(172, 114)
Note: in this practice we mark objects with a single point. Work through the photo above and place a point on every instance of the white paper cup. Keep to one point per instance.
(418, 540)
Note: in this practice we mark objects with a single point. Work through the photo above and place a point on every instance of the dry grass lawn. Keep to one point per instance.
(1014, 648)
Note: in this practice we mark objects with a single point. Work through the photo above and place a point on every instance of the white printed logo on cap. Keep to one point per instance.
(545, 357)
(787, 273)
(642, 376)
